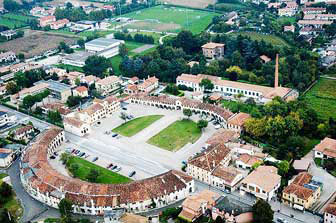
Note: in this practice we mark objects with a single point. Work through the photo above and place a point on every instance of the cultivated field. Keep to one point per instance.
(35, 43)
(176, 135)
(275, 40)
(13, 21)
(134, 126)
(322, 98)
(170, 19)
(192, 4)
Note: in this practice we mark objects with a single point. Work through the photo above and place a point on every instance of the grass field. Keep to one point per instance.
(136, 125)
(322, 98)
(105, 176)
(228, 7)
(192, 4)
(275, 40)
(116, 60)
(11, 23)
(12, 20)
(176, 135)
(171, 19)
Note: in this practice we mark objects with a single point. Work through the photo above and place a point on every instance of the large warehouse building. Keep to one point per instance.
(104, 47)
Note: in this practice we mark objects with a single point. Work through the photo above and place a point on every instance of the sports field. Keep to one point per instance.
(176, 135)
(322, 98)
(170, 19)
(136, 125)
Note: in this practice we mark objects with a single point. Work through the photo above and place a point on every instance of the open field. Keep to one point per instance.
(35, 43)
(192, 4)
(322, 98)
(12, 20)
(267, 38)
(170, 19)
(136, 125)
(228, 7)
(115, 61)
(176, 135)
(11, 23)
(105, 176)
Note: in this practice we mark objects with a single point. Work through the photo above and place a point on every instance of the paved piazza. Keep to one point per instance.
(133, 153)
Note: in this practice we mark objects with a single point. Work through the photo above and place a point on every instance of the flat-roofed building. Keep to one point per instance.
(58, 90)
(104, 46)
(263, 182)
(77, 59)
(213, 51)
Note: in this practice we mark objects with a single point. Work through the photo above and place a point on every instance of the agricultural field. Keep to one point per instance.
(322, 98)
(229, 7)
(170, 19)
(13, 21)
(84, 167)
(136, 125)
(176, 135)
(274, 40)
(192, 4)
(35, 43)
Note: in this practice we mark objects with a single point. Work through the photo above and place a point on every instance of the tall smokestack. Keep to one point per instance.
(276, 78)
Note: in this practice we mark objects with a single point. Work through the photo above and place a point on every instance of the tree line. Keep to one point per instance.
(140, 38)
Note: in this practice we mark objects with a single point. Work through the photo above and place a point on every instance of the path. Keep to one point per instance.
(143, 48)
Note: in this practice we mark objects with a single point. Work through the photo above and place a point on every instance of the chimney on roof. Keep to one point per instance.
(276, 78)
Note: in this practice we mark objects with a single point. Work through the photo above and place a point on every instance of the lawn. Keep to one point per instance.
(136, 125)
(12, 24)
(322, 98)
(274, 40)
(115, 61)
(228, 7)
(105, 176)
(171, 19)
(70, 67)
(176, 135)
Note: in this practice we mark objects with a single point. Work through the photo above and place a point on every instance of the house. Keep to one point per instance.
(8, 56)
(313, 10)
(106, 47)
(55, 106)
(34, 90)
(302, 192)
(84, 25)
(331, 51)
(108, 85)
(315, 23)
(263, 182)
(287, 11)
(192, 63)
(133, 80)
(290, 28)
(226, 178)
(4, 119)
(74, 76)
(131, 89)
(246, 161)
(6, 157)
(109, 7)
(60, 72)
(59, 24)
(325, 149)
(81, 91)
(265, 59)
(89, 80)
(274, 5)
(9, 34)
(237, 121)
(309, 30)
(231, 211)
(149, 84)
(47, 20)
(213, 51)
(23, 133)
(195, 206)
(76, 126)
(301, 165)
(330, 213)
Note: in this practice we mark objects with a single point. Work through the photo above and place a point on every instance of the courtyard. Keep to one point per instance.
(134, 153)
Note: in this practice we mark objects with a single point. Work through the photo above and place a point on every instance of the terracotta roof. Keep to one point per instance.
(212, 45)
(132, 87)
(222, 136)
(248, 159)
(7, 151)
(134, 79)
(297, 186)
(92, 109)
(109, 80)
(90, 78)
(265, 58)
(73, 121)
(81, 89)
(61, 21)
(228, 174)
(239, 119)
(314, 22)
(132, 218)
(46, 18)
(327, 146)
(331, 209)
(265, 177)
(33, 89)
(23, 129)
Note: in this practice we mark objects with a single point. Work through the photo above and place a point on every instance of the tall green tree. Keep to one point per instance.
(96, 65)
(262, 212)
(187, 112)
(65, 207)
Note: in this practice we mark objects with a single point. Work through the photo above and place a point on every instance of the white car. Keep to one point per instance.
(218, 126)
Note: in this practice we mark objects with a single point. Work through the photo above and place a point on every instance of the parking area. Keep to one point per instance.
(133, 153)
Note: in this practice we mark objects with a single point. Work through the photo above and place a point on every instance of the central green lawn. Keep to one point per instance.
(176, 135)
(322, 98)
(275, 40)
(136, 125)
(105, 176)
(190, 19)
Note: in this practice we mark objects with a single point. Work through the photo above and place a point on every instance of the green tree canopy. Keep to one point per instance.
(262, 212)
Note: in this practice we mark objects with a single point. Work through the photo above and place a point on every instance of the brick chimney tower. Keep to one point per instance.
(276, 78)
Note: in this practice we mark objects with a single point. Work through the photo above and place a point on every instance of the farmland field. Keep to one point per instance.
(170, 19)
(12, 20)
(35, 43)
(322, 98)
(275, 40)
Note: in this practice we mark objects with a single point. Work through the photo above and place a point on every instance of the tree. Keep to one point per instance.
(5, 216)
(54, 76)
(21, 57)
(73, 168)
(54, 116)
(123, 116)
(96, 65)
(187, 112)
(201, 124)
(123, 51)
(233, 73)
(262, 212)
(255, 127)
(28, 101)
(80, 42)
(207, 84)
(5, 190)
(64, 158)
(283, 167)
(77, 82)
(12, 88)
(93, 175)
(65, 207)
(73, 101)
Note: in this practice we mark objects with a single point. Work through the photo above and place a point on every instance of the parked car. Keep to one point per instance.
(218, 126)
(73, 150)
(52, 157)
(114, 167)
(95, 159)
(83, 154)
(132, 174)
(124, 108)
(184, 162)
(117, 169)
(114, 135)
(110, 165)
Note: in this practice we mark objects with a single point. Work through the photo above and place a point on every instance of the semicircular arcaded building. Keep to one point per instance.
(46, 184)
